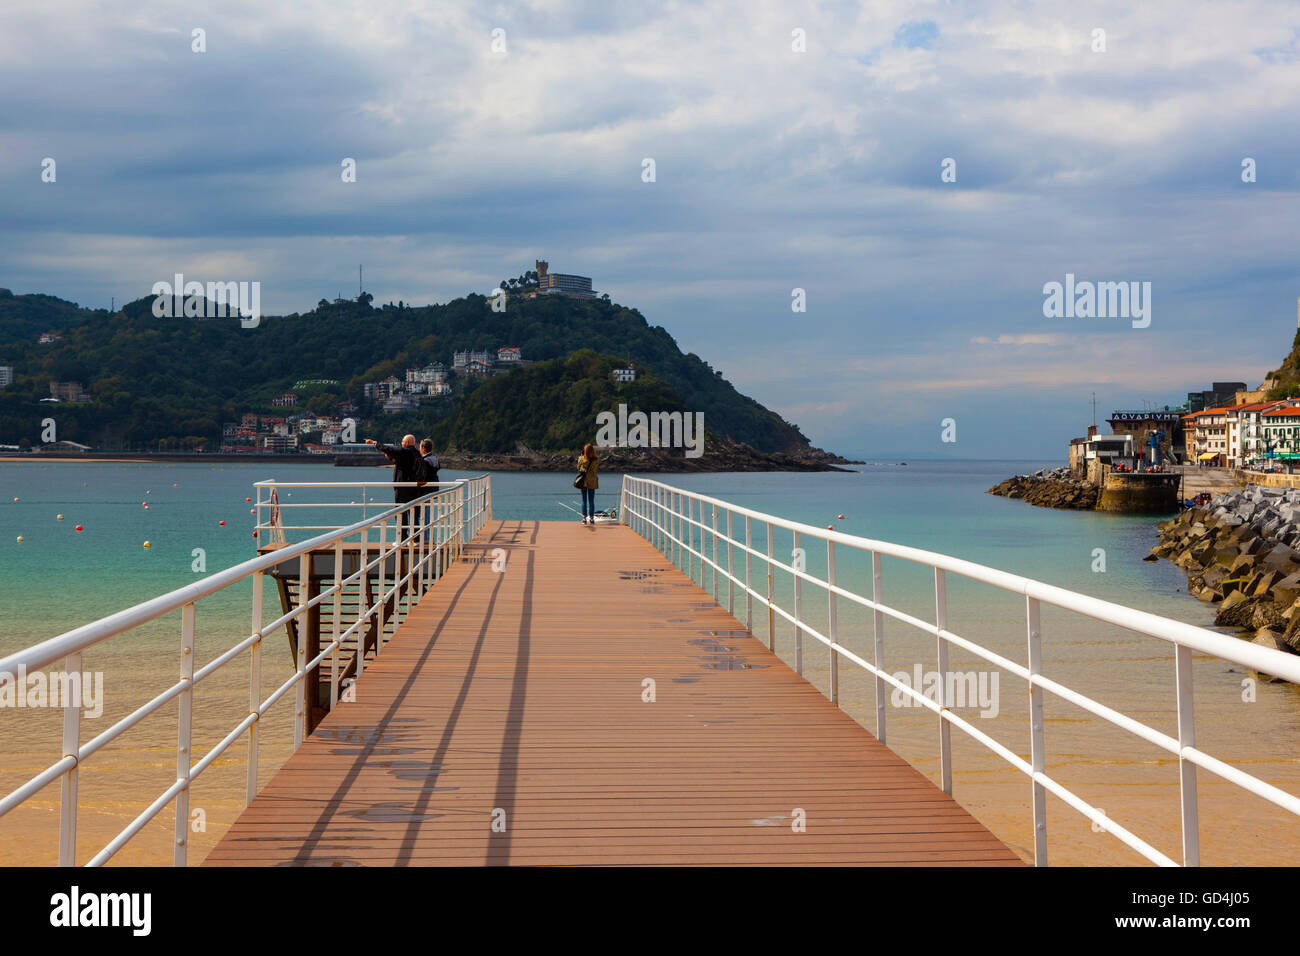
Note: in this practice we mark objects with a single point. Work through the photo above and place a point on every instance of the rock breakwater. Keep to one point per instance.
(1242, 552)
(1050, 488)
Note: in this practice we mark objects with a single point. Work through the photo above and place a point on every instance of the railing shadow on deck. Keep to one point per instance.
(671, 518)
(426, 535)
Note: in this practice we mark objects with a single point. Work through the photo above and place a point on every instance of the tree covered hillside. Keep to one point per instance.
(157, 377)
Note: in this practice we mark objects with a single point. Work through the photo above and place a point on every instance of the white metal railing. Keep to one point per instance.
(275, 514)
(431, 531)
(669, 518)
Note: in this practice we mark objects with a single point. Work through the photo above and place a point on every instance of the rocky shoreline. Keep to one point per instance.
(1050, 488)
(1240, 552)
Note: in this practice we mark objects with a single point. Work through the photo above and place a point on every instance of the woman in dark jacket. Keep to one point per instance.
(587, 464)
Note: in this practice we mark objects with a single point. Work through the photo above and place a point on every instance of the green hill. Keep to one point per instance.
(152, 378)
(1287, 377)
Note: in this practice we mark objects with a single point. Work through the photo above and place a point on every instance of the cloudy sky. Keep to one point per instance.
(775, 169)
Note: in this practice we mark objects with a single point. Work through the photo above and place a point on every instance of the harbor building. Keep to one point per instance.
(1165, 424)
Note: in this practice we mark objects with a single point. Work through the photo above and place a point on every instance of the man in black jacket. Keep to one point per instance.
(406, 467)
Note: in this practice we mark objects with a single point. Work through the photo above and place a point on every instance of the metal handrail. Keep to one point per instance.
(267, 503)
(440, 523)
(665, 515)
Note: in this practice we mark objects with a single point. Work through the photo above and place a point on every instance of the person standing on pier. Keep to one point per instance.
(587, 465)
(431, 476)
(406, 468)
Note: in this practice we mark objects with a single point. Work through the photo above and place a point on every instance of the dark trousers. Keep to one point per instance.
(408, 522)
(588, 502)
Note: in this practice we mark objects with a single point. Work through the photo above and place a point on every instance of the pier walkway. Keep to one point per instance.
(510, 721)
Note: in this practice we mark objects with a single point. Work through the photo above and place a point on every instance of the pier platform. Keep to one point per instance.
(511, 719)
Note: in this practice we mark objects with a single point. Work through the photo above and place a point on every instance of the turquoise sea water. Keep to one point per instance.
(58, 578)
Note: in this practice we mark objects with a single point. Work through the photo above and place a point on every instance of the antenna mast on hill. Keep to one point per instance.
(358, 281)
(1094, 410)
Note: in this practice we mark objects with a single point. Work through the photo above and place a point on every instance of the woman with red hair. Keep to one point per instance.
(587, 465)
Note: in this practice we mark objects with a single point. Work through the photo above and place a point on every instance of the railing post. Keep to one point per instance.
(364, 597)
(798, 607)
(418, 573)
(945, 729)
(1036, 754)
(771, 630)
(1187, 769)
(184, 725)
(878, 635)
(679, 528)
(408, 579)
(337, 627)
(690, 540)
(749, 569)
(254, 687)
(834, 628)
(715, 553)
(71, 748)
(300, 625)
(439, 540)
(381, 591)
(731, 578)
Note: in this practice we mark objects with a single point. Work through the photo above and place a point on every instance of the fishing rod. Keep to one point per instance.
(604, 514)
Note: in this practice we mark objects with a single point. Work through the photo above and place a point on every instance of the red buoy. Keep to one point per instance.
(78, 527)
(220, 522)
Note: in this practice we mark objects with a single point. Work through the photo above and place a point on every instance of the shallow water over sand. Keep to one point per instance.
(57, 579)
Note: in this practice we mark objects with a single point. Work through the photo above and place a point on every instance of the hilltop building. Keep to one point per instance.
(560, 283)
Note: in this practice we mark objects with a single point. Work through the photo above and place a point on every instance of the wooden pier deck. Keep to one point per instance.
(505, 724)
